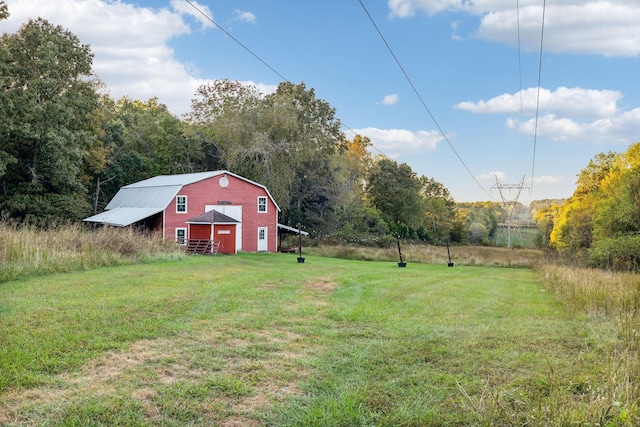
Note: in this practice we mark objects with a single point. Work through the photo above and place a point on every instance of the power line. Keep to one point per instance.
(520, 65)
(207, 17)
(420, 98)
(535, 132)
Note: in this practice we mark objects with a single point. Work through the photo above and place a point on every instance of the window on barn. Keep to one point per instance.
(181, 236)
(181, 204)
(262, 204)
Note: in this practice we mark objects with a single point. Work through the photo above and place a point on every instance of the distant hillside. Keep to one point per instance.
(538, 205)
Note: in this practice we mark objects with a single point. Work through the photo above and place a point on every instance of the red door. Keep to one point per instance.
(226, 234)
(200, 232)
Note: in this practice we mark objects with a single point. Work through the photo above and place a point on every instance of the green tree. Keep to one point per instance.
(314, 196)
(219, 120)
(478, 233)
(137, 140)
(439, 210)
(155, 135)
(616, 218)
(247, 134)
(358, 219)
(484, 214)
(394, 189)
(287, 141)
(4, 11)
(573, 229)
(46, 106)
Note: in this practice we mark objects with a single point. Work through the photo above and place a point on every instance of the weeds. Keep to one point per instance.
(609, 296)
(431, 254)
(28, 250)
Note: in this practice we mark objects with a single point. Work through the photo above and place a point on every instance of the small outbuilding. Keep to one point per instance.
(207, 212)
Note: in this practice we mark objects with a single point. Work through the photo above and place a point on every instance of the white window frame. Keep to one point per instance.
(179, 203)
(262, 205)
(184, 240)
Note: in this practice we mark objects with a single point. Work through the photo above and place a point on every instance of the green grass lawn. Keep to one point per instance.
(258, 339)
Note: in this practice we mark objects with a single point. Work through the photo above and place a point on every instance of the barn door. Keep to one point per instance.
(200, 231)
(233, 211)
(262, 239)
(226, 234)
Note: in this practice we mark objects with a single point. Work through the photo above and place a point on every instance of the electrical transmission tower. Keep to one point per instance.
(511, 226)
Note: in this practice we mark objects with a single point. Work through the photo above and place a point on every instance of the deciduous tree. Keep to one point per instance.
(4, 11)
(46, 105)
(395, 190)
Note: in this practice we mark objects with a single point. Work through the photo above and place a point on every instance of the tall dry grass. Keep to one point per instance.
(593, 290)
(430, 254)
(601, 293)
(29, 250)
(614, 297)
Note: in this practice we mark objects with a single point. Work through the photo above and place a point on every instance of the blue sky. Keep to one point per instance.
(463, 58)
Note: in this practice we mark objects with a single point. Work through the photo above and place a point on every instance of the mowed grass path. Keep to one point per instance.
(258, 339)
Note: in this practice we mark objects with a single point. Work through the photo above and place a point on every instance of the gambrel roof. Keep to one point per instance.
(140, 200)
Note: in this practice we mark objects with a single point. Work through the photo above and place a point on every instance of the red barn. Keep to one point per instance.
(219, 210)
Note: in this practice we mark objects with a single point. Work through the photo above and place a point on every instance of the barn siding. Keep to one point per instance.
(237, 192)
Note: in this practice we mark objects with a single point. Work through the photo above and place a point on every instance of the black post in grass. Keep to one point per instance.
(300, 258)
(401, 263)
(450, 264)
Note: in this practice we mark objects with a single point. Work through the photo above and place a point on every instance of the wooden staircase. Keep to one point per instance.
(203, 246)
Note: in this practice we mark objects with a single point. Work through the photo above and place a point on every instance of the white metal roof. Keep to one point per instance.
(144, 197)
(121, 217)
(293, 230)
(180, 180)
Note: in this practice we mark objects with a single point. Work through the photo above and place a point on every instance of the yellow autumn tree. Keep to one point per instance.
(573, 228)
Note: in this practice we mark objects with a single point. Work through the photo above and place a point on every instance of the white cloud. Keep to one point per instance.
(607, 28)
(577, 101)
(491, 176)
(396, 142)
(390, 99)
(618, 129)
(407, 8)
(101, 22)
(604, 27)
(566, 114)
(244, 16)
(455, 31)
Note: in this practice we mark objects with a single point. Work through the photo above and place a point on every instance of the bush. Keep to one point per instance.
(621, 253)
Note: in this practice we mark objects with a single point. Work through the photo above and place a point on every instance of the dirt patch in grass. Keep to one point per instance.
(323, 285)
(264, 366)
(320, 287)
(112, 365)
(95, 378)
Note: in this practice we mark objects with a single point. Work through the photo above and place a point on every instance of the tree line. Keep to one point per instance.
(599, 225)
(66, 147)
